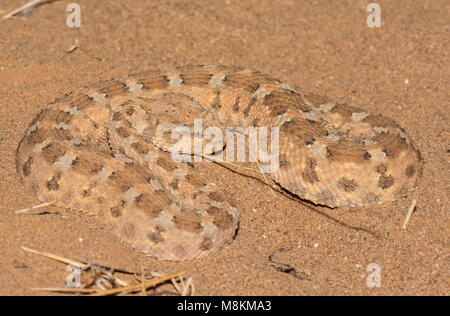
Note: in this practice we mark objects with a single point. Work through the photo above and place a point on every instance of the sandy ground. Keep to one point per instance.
(400, 70)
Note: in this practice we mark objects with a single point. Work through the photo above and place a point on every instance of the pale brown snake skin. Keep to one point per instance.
(100, 149)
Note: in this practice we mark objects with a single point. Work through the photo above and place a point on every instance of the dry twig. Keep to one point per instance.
(409, 214)
(27, 8)
(26, 210)
(145, 284)
(57, 258)
(105, 272)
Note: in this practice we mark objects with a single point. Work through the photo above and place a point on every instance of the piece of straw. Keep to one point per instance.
(26, 210)
(29, 6)
(409, 214)
(139, 286)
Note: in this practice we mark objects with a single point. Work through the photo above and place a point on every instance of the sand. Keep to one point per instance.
(284, 246)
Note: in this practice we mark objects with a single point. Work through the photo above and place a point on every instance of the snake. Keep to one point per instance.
(108, 149)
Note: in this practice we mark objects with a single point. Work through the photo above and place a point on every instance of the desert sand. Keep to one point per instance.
(284, 246)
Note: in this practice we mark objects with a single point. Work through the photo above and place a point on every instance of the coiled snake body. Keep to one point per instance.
(104, 148)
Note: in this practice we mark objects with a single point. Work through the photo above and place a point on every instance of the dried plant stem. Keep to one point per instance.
(409, 214)
(28, 6)
(26, 210)
(65, 290)
(139, 286)
(57, 258)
